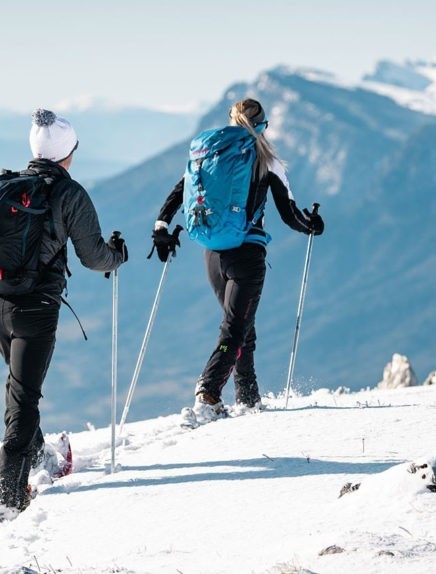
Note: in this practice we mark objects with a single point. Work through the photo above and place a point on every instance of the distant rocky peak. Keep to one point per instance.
(409, 75)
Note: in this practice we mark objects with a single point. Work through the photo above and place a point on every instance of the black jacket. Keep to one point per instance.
(74, 217)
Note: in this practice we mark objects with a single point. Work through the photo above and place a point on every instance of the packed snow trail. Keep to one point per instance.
(253, 494)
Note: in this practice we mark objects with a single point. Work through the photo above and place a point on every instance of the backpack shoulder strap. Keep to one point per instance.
(49, 180)
(6, 174)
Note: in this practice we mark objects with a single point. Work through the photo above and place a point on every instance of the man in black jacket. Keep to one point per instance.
(28, 322)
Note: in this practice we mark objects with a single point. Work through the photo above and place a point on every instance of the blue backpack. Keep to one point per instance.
(216, 186)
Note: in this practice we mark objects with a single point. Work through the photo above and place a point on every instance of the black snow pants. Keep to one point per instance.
(237, 277)
(27, 337)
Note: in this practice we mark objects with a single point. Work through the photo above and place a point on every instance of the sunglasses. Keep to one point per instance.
(265, 123)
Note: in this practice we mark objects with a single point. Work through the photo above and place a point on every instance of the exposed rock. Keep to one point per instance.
(426, 471)
(348, 487)
(385, 553)
(398, 373)
(331, 550)
(342, 391)
(431, 379)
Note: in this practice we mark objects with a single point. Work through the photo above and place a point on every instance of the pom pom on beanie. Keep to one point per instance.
(42, 117)
(51, 137)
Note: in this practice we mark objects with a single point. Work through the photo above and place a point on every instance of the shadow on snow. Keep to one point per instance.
(249, 469)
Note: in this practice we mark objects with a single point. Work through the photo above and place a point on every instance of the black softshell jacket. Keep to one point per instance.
(74, 217)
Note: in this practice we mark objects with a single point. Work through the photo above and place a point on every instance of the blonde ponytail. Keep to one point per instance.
(246, 113)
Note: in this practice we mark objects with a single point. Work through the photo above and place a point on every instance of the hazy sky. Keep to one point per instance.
(178, 52)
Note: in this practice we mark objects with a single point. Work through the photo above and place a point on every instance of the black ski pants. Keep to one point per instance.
(237, 277)
(27, 337)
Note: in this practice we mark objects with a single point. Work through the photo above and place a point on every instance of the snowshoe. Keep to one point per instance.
(202, 413)
(189, 419)
(55, 461)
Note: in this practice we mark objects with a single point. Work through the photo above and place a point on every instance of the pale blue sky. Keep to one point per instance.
(179, 52)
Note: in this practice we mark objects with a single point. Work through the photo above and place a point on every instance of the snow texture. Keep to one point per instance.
(254, 494)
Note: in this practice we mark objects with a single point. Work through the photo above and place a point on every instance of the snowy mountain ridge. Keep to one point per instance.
(353, 151)
(255, 494)
(88, 102)
(369, 162)
(415, 75)
(411, 84)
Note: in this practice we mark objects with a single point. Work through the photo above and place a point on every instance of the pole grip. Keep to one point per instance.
(117, 235)
(177, 230)
(175, 234)
(315, 207)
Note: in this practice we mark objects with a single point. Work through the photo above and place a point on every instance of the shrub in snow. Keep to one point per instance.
(398, 373)
(431, 379)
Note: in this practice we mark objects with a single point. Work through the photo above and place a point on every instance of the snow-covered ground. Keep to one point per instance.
(250, 494)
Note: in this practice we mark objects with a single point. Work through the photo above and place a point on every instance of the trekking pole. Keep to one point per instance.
(114, 362)
(135, 377)
(315, 208)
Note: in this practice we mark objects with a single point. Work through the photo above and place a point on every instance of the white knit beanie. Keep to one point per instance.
(51, 137)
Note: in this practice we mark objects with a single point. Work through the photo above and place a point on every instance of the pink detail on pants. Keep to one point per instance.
(239, 353)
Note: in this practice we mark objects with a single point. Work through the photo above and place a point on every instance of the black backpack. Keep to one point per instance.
(24, 209)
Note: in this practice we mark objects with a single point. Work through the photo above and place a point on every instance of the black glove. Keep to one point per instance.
(117, 243)
(164, 243)
(315, 221)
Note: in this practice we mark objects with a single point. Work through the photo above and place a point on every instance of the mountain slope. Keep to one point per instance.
(369, 162)
(344, 148)
(251, 495)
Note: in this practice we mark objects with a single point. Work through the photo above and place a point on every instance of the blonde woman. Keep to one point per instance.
(237, 275)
